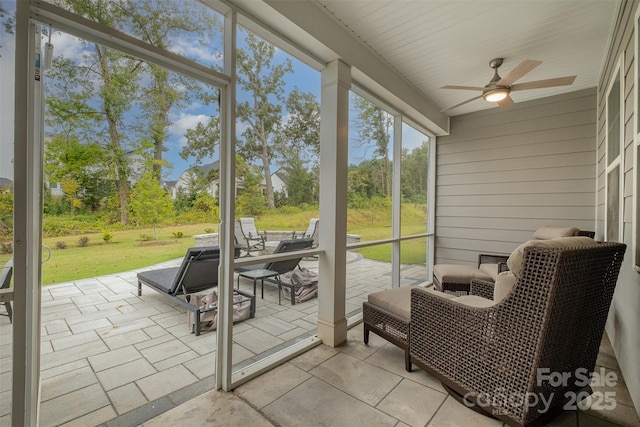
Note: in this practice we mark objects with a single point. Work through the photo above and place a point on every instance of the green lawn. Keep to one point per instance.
(127, 251)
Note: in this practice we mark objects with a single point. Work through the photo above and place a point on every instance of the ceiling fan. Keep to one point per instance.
(498, 89)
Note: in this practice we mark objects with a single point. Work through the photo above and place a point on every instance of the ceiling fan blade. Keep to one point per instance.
(539, 84)
(462, 103)
(517, 73)
(462, 87)
(506, 103)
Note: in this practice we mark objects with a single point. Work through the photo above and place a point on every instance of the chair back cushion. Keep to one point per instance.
(288, 246)
(248, 227)
(516, 258)
(313, 228)
(199, 271)
(505, 281)
(545, 233)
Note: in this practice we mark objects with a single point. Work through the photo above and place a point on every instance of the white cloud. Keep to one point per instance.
(184, 122)
(192, 49)
(68, 46)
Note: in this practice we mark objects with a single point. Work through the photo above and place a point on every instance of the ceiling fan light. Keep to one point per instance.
(496, 95)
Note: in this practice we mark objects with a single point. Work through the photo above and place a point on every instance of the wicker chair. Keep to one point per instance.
(454, 278)
(552, 318)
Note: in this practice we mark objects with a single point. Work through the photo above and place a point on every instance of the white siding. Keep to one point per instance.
(623, 323)
(503, 174)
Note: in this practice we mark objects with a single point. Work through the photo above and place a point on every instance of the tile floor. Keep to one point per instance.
(109, 356)
(358, 385)
(112, 358)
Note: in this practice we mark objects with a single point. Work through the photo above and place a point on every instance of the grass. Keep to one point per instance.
(125, 252)
(128, 251)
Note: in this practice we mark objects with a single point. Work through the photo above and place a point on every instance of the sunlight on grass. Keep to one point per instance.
(132, 248)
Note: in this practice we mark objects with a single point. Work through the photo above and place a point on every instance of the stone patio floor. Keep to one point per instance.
(112, 358)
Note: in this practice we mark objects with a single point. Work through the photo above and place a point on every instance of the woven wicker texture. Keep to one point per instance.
(482, 288)
(389, 326)
(554, 318)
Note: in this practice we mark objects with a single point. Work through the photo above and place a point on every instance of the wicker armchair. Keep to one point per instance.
(553, 318)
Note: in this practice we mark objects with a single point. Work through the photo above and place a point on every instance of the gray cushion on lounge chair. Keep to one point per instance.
(283, 247)
(199, 271)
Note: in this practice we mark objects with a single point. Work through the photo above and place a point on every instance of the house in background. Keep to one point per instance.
(189, 178)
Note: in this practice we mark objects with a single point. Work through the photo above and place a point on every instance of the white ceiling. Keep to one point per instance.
(435, 43)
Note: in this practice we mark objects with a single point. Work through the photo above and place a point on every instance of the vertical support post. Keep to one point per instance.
(27, 222)
(431, 206)
(396, 198)
(227, 209)
(334, 139)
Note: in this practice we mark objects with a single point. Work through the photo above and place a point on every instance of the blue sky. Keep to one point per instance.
(183, 118)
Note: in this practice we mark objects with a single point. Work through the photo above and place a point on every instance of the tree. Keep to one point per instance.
(97, 94)
(202, 140)
(301, 147)
(150, 204)
(78, 167)
(262, 80)
(249, 200)
(157, 22)
(300, 185)
(373, 128)
(414, 173)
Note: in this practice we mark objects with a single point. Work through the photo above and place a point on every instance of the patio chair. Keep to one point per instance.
(311, 233)
(198, 272)
(491, 354)
(272, 271)
(455, 278)
(248, 237)
(387, 313)
(5, 281)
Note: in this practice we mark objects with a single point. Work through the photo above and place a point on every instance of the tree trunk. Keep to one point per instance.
(120, 162)
(267, 177)
(160, 118)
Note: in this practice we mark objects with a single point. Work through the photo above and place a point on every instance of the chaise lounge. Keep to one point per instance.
(197, 273)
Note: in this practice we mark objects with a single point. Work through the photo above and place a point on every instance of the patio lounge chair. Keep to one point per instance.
(548, 320)
(5, 280)
(198, 272)
(248, 237)
(272, 271)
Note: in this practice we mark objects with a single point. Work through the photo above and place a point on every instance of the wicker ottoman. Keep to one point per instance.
(387, 313)
(457, 278)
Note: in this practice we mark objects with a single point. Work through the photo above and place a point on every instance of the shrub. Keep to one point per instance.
(193, 217)
(209, 230)
(61, 245)
(83, 241)
(289, 209)
(6, 248)
(107, 236)
(146, 237)
(178, 234)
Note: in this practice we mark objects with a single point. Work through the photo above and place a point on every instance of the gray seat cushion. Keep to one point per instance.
(396, 300)
(453, 273)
